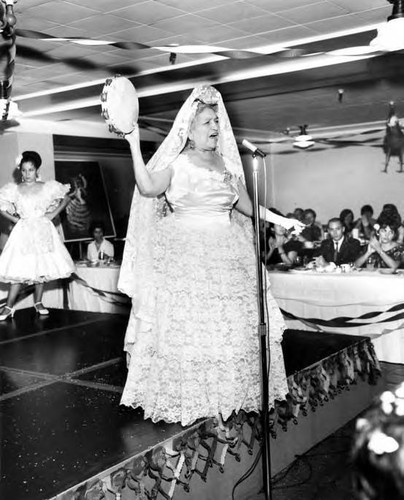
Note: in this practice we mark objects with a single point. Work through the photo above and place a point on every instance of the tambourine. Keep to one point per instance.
(120, 105)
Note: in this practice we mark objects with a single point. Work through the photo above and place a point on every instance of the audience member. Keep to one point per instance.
(365, 223)
(338, 248)
(383, 249)
(347, 219)
(99, 248)
(298, 214)
(378, 449)
(282, 247)
(313, 230)
(390, 210)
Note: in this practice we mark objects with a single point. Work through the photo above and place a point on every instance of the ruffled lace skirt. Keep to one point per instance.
(34, 253)
(192, 338)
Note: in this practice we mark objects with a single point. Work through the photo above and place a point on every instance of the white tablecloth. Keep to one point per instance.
(311, 295)
(98, 291)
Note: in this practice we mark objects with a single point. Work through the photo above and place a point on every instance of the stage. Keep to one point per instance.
(63, 434)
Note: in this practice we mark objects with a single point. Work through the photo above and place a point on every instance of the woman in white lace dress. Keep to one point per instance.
(189, 266)
(34, 252)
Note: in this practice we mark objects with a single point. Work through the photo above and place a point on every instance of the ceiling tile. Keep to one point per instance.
(59, 11)
(70, 50)
(248, 42)
(314, 12)
(239, 11)
(105, 5)
(215, 35)
(134, 55)
(263, 24)
(110, 59)
(288, 35)
(29, 22)
(102, 24)
(336, 24)
(379, 15)
(41, 46)
(185, 24)
(148, 12)
(359, 5)
(187, 39)
(141, 34)
(193, 6)
(21, 7)
(280, 5)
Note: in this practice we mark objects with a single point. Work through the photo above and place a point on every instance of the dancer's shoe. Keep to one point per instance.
(40, 309)
(8, 313)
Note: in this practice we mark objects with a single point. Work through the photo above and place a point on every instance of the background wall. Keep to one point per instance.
(326, 181)
(330, 180)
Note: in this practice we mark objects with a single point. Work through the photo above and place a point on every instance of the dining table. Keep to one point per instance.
(93, 287)
(358, 302)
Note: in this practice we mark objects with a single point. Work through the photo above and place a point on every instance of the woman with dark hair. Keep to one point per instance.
(365, 223)
(383, 248)
(378, 449)
(347, 219)
(390, 210)
(99, 248)
(281, 247)
(34, 252)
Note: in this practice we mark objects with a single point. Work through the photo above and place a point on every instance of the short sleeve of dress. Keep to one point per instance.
(8, 194)
(55, 191)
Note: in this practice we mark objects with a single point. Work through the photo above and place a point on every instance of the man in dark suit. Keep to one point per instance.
(338, 248)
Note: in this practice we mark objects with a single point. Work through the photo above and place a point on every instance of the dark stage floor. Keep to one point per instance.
(60, 419)
(61, 377)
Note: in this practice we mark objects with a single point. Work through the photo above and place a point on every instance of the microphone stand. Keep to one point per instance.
(263, 333)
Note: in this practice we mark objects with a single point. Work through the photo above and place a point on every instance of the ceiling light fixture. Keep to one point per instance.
(303, 141)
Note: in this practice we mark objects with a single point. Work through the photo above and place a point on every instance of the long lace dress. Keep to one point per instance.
(192, 336)
(34, 252)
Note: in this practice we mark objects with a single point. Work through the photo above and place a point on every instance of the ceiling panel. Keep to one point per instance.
(314, 12)
(105, 6)
(263, 24)
(359, 5)
(59, 11)
(102, 25)
(142, 33)
(148, 12)
(192, 6)
(265, 92)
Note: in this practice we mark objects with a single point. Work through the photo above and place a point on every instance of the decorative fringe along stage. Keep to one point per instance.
(190, 456)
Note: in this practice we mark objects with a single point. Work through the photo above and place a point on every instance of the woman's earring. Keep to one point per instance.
(191, 144)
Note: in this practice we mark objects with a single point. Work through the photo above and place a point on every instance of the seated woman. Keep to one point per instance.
(390, 210)
(282, 248)
(347, 218)
(365, 223)
(99, 248)
(383, 248)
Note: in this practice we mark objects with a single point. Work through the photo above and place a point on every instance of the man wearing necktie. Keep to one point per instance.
(338, 248)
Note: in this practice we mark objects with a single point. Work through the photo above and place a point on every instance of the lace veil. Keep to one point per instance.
(137, 264)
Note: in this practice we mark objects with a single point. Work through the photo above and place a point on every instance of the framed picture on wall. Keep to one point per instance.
(89, 199)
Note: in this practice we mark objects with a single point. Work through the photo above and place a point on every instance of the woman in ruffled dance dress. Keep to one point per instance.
(34, 252)
(189, 265)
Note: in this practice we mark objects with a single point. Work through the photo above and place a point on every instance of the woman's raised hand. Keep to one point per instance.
(134, 136)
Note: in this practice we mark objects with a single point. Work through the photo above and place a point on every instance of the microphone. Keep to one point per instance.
(255, 151)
